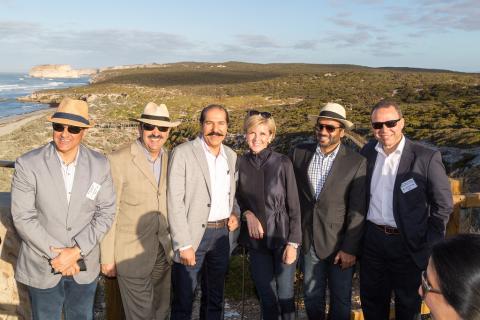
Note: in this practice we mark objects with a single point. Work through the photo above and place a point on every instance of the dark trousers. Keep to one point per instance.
(387, 266)
(320, 273)
(274, 283)
(76, 300)
(211, 258)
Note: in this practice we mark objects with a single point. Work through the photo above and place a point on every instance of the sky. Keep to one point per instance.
(440, 34)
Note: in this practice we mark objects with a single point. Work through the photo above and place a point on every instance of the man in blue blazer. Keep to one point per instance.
(409, 203)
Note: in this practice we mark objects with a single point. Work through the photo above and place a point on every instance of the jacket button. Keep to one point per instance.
(209, 205)
(69, 229)
(203, 225)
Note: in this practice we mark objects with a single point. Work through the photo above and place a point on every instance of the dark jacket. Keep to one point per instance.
(267, 187)
(335, 220)
(421, 213)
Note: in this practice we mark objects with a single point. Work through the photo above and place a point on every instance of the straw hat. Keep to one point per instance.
(73, 113)
(157, 115)
(333, 111)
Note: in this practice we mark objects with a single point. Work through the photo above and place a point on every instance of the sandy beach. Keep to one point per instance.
(9, 124)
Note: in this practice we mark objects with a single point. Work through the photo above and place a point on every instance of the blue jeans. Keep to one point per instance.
(76, 300)
(211, 256)
(274, 283)
(317, 273)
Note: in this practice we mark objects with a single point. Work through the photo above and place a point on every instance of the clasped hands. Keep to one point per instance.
(66, 260)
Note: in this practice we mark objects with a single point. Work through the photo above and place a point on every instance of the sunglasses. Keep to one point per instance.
(426, 286)
(388, 124)
(328, 127)
(263, 114)
(71, 129)
(151, 127)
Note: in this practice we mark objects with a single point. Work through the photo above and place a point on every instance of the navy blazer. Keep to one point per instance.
(422, 213)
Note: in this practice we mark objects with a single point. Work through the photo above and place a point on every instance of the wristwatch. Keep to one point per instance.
(293, 244)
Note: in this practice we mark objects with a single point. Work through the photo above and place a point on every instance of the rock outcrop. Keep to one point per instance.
(59, 71)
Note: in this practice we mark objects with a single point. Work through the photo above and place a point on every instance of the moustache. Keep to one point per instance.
(213, 133)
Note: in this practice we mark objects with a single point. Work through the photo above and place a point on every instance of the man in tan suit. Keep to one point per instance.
(138, 248)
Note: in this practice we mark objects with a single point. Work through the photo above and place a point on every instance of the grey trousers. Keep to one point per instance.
(148, 298)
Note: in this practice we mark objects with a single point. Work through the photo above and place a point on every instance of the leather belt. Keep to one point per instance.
(217, 224)
(386, 229)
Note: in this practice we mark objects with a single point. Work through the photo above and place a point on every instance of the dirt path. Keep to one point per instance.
(10, 124)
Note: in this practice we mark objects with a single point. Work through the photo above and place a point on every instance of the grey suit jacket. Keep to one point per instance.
(335, 220)
(141, 225)
(44, 219)
(188, 193)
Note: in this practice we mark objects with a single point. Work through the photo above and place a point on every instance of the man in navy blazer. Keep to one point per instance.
(409, 203)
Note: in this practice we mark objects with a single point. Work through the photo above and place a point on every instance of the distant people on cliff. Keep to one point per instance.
(331, 184)
(63, 202)
(271, 230)
(409, 202)
(138, 248)
(451, 283)
(200, 197)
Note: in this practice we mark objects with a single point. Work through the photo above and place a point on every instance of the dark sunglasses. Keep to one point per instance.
(389, 124)
(263, 114)
(328, 127)
(426, 286)
(151, 127)
(71, 129)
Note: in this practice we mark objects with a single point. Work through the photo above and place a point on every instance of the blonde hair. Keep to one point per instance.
(256, 120)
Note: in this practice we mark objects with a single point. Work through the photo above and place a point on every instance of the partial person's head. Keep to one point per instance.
(451, 284)
(387, 124)
(259, 129)
(154, 126)
(330, 125)
(214, 121)
(69, 123)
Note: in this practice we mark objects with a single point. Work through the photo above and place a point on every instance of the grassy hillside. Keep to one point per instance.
(441, 107)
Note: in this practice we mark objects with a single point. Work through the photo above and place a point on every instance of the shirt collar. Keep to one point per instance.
(206, 148)
(399, 150)
(147, 153)
(332, 154)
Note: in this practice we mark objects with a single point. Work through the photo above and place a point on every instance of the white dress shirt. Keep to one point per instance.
(384, 174)
(219, 183)
(319, 168)
(68, 173)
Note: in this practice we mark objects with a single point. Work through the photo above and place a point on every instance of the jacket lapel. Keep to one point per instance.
(406, 161)
(202, 162)
(80, 181)
(308, 156)
(54, 168)
(140, 161)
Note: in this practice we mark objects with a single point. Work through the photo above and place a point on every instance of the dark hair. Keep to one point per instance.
(213, 106)
(387, 104)
(457, 264)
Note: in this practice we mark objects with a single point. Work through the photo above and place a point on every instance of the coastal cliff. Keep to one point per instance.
(59, 71)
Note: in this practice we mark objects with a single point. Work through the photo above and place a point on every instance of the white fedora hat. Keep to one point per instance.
(157, 115)
(333, 111)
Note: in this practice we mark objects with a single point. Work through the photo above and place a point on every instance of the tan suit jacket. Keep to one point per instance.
(141, 223)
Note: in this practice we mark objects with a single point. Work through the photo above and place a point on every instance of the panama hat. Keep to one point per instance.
(73, 113)
(333, 111)
(156, 115)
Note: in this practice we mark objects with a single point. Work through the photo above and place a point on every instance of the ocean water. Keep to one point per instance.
(14, 85)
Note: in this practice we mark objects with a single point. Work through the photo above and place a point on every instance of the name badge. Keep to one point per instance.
(93, 190)
(408, 185)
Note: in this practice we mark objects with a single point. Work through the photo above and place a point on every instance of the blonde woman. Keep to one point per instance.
(268, 198)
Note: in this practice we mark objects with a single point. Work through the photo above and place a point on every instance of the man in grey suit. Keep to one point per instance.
(331, 184)
(63, 202)
(200, 195)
